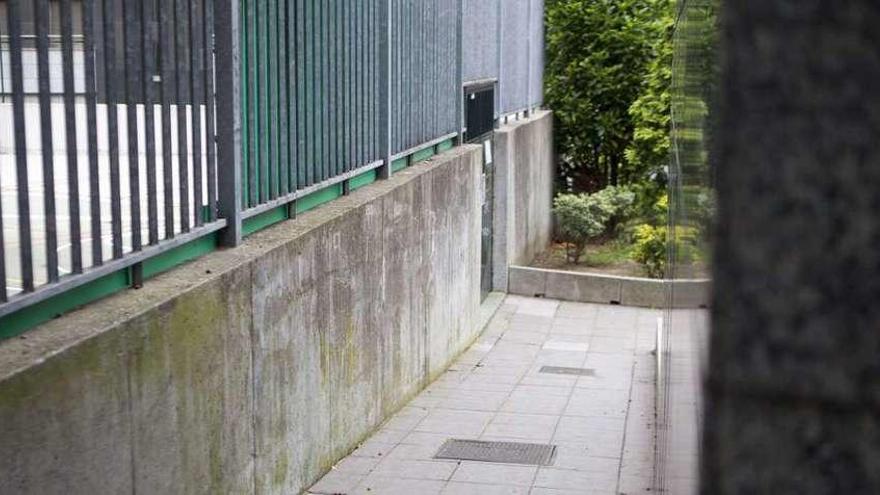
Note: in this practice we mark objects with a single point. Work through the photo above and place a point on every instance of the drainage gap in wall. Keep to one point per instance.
(502, 452)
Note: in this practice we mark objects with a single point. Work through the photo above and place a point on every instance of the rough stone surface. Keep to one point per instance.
(524, 175)
(253, 369)
(794, 383)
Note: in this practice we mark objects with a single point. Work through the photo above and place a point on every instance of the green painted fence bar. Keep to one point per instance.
(347, 83)
(303, 101)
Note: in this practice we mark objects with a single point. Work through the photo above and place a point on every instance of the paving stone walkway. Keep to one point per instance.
(602, 425)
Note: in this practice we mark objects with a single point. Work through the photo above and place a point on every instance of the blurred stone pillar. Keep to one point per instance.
(793, 393)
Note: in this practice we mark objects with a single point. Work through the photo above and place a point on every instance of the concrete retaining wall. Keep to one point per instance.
(605, 289)
(524, 178)
(252, 370)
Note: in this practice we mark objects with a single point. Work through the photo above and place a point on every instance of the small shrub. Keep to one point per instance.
(581, 217)
(619, 202)
(649, 249)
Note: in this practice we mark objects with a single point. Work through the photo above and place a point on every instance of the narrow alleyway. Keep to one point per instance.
(600, 420)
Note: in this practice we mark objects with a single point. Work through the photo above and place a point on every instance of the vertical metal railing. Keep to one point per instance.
(112, 138)
(311, 98)
(136, 126)
(425, 73)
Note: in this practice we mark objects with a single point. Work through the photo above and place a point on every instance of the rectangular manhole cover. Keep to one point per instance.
(504, 452)
(562, 370)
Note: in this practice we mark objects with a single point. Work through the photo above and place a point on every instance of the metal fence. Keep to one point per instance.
(133, 127)
(311, 94)
(95, 186)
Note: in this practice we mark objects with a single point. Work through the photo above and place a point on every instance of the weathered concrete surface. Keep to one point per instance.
(524, 176)
(253, 370)
(793, 398)
(605, 289)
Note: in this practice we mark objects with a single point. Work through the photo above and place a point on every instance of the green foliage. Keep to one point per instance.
(649, 151)
(584, 217)
(610, 253)
(649, 249)
(619, 202)
(581, 218)
(704, 209)
(601, 58)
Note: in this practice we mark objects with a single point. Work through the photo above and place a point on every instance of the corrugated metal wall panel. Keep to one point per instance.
(536, 53)
(480, 39)
(514, 54)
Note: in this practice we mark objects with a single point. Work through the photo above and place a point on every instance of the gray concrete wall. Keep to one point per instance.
(252, 370)
(608, 289)
(524, 178)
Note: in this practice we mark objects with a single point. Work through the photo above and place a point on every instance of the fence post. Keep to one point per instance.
(528, 111)
(384, 133)
(459, 72)
(227, 56)
(499, 31)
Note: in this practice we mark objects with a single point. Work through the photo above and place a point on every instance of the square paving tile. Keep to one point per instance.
(336, 482)
(569, 479)
(455, 423)
(533, 427)
(496, 392)
(459, 488)
(495, 474)
(526, 402)
(582, 430)
(423, 470)
(376, 485)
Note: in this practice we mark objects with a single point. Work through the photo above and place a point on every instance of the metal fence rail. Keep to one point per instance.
(99, 181)
(311, 94)
(134, 127)
(425, 86)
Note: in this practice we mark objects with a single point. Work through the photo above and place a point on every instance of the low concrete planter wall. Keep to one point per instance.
(253, 369)
(607, 289)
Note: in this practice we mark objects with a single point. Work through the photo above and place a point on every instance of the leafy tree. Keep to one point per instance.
(648, 153)
(598, 55)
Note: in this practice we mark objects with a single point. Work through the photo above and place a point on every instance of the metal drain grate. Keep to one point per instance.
(504, 452)
(562, 370)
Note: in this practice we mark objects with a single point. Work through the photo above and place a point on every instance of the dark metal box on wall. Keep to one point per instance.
(479, 109)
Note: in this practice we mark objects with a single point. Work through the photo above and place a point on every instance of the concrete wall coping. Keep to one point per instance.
(55, 337)
(608, 289)
(512, 125)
